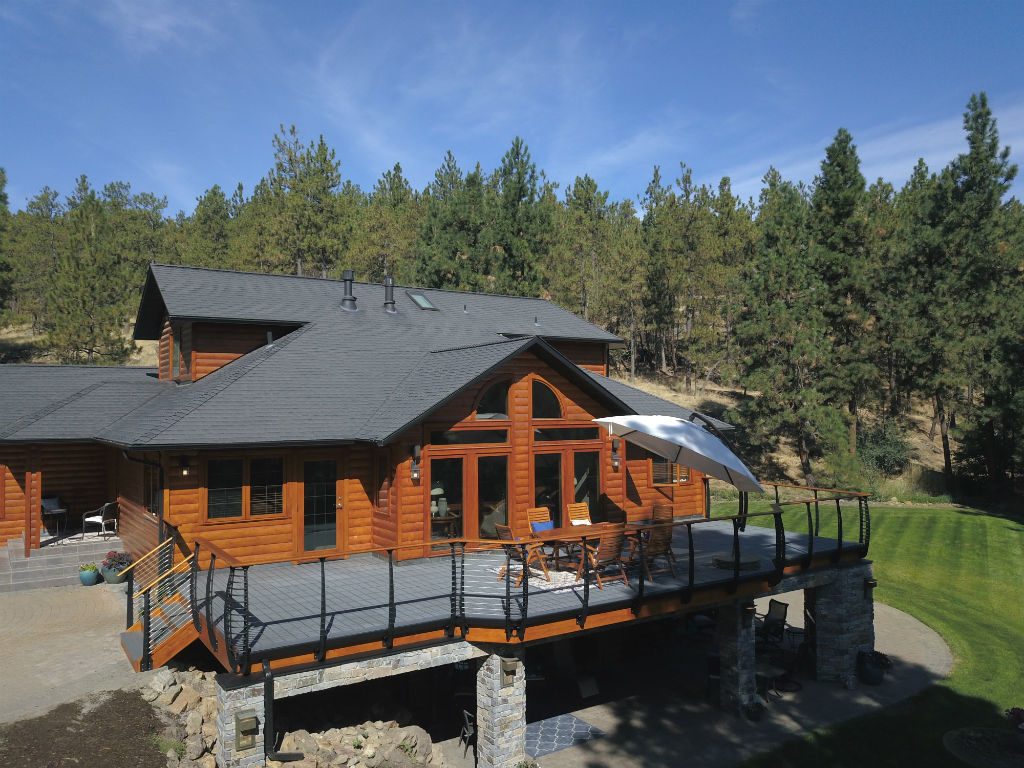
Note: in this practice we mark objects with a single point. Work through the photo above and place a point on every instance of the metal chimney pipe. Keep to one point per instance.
(389, 294)
(348, 301)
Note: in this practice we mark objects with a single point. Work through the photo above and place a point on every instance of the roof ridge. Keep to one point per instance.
(355, 282)
(30, 418)
(508, 340)
(218, 386)
(11, 366)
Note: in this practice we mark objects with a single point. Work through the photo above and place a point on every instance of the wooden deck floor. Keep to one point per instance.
(284, 598)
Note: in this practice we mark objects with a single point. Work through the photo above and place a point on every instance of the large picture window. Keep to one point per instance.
(152, 490)
(493, 403)
(664, 472)
(545, 402)
(243, 488)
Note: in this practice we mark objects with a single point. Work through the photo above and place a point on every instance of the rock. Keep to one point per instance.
(194, 747)
(299, 741)
(304, 764)
(208, 707)
(209, 732)
(437, 756)
(173, 731)
(207, 761)
(194, 722)
(167, 698)
(148, 694)
(186, 700)
(162, 680)
(172, 758)
(418, 741)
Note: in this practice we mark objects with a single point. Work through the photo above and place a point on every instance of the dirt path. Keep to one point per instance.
(59, 645)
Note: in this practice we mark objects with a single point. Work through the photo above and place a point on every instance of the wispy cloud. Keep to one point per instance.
(887, 151)
(148, 25)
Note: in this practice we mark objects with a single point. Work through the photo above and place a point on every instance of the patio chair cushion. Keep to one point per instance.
(581, 522)
(547, 525)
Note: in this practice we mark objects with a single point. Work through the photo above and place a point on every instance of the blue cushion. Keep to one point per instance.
(547, 525)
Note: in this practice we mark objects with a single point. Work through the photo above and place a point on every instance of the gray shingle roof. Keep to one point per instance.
(68, 402)
(221, 295)
(648, 404)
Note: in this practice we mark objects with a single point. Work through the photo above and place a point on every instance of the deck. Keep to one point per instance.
(291, 609)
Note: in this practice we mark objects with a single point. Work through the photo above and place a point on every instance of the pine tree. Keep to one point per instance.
(5, 257)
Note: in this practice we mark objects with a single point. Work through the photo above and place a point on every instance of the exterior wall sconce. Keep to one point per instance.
(414, 470)
(247, 726)
(616, 455)
(869, 584)
(508, 672)
(183, 463)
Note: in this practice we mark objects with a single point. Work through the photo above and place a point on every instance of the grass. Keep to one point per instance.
(960, 571)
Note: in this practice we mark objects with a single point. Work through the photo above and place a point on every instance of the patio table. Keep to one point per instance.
(568, 536)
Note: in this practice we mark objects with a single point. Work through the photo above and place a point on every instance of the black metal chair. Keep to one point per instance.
(468, 735)
(772, 629)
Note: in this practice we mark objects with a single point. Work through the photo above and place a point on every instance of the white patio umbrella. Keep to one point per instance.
(684, 442)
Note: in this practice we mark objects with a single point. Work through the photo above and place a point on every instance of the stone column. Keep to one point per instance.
(735, 633)
(231, 702)
(844, 622)
(500, 713)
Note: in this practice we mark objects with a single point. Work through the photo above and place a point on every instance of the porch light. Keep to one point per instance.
(183, 463)
(414, 469)
(869, 584)
(616, 457)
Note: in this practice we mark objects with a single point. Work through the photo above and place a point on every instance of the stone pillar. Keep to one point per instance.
(231, 702)
(735, 633)
(500, 713)
(844, 622)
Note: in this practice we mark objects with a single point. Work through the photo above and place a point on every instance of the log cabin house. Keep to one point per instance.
(311, 474)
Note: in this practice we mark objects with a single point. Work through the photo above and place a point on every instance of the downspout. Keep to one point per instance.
(269, 732)
(160, 517)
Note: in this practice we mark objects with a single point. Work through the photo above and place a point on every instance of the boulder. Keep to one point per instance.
(208, 707)
(167, 698)
(194, 722)
(207, 761)
(187, 700)
(148, 694)
(194, 747)
(299, 741)
(172, 759)
(417, 741)
(161, 680)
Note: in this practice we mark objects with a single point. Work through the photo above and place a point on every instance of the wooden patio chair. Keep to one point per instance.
(514, 549)
(606, 554)
(538, 515)
(657, 542)
(578, 513)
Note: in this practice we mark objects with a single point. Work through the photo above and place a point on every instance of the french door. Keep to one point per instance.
(322, 523)
(468, 494)
(565, 476)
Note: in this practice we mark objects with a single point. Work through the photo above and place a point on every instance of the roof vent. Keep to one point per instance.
(389, 294)
(348, 301)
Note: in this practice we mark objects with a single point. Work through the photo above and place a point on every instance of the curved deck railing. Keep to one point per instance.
(236, 621)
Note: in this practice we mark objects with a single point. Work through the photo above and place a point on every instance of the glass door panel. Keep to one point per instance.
(320, 504)
(547, 483)
(492, 494)
(586, 480)
(446, 502)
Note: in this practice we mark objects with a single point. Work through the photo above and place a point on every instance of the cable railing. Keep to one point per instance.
(463, 592)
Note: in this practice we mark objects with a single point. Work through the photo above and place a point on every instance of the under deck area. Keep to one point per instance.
(286, 610)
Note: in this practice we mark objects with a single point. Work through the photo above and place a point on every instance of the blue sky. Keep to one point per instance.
(175, 97)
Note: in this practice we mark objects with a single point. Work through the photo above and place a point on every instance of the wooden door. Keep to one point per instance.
(321, 518)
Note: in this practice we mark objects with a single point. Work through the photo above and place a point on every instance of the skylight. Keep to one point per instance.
(420, 300)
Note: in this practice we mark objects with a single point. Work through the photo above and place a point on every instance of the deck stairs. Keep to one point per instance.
(160, 621)
(54, 565)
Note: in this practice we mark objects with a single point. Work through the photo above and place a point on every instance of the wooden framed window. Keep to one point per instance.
(545, 402)
(664, 472)
(152, 490)
(244, 488)
(493, 403)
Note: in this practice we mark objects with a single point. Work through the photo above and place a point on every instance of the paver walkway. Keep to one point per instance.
(60, 644)
(662, 728)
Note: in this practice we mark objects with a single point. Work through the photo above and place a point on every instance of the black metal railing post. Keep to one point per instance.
(839, 533)
(643, 568)
(146, 662)
(130, 607)
(209, 602)
(229, 598)
(455, 588)
(322, 650)
(866, 527)
(810, 537)
(585, 554)
(691, 565)
(462, 589)
(780, 544)
(735, 555)
(245, 620)
(193, 581)
(508, 593)
(524, 608)
(389, 638)
(817, 515)
(707, 498)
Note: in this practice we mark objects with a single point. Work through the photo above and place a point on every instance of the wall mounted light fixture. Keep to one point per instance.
(183, 463)
(616, 456)
(414, 469)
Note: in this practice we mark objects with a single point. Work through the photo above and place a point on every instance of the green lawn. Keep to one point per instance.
(961, 572)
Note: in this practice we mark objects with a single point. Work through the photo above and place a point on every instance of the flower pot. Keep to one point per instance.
(88, 578)
(112, 575)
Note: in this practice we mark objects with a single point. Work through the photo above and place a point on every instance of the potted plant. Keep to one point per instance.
(113, 565)
(88, 574)
(1016, 717)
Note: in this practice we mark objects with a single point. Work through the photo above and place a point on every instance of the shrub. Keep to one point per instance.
(117, 561)
(88, 567)
(884, 448)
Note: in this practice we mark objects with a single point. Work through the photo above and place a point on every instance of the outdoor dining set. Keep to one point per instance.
(605, 552)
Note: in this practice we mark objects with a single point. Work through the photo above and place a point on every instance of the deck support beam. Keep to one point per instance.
(735, 634)
(842, 618)
(501, 712)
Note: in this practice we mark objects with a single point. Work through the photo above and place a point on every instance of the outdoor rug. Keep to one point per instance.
(558, 581)
(557, 733)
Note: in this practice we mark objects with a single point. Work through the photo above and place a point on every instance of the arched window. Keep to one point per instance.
(493, 403)
(545, 402)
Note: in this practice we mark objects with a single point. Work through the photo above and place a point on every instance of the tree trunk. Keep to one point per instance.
(804, 452)
(994, 464)
(632, 353)
(853, 426)
(947, 457)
